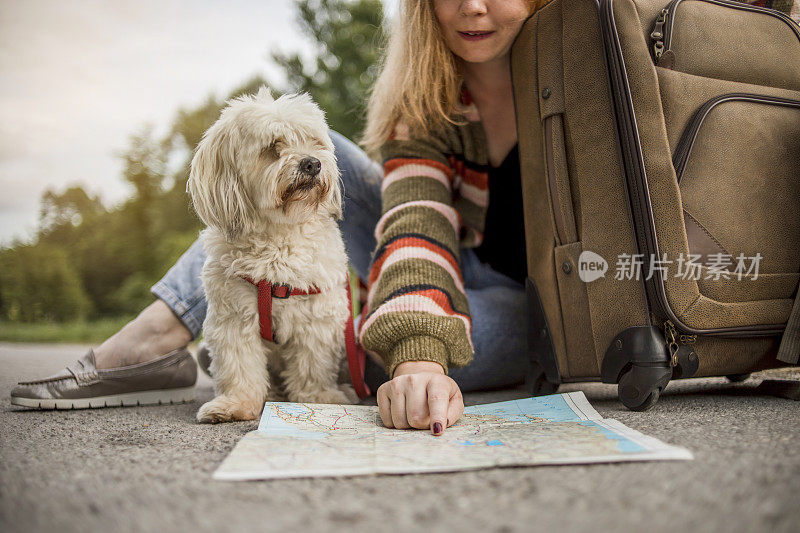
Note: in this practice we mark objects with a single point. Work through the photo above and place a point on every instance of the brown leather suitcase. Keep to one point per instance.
(660, 154)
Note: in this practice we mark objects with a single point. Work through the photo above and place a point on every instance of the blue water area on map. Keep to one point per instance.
(552, 407)
(272, 420)
(624, 444)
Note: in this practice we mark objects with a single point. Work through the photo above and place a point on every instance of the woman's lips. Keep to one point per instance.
(475, 35)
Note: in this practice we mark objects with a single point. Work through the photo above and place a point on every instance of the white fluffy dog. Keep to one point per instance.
(264, 180)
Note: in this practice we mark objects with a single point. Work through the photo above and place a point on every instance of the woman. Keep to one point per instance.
(441, 118)
(435, 201)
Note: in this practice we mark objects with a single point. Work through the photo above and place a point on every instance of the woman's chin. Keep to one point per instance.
(481, 56)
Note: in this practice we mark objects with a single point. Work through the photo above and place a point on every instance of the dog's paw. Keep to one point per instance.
(227, 409)
(323, 396)
(349, 392)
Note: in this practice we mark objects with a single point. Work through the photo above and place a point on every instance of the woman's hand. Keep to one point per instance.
(420, 396)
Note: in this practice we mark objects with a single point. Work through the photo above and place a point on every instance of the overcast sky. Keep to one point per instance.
(78, 78)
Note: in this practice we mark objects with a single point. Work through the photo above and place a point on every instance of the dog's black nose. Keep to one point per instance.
(310, 166)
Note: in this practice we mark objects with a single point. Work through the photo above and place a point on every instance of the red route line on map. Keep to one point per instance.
(356, 417)
(286, 417)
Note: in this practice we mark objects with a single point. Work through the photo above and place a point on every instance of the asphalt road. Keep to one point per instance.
(149, 469)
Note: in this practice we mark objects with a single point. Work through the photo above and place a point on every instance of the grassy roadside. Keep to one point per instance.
(84, 331)
(94, 331)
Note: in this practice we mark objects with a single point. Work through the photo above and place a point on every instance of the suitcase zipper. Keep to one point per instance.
(684, 147)
(630, 151)
(658, 33)
(682, 357)
(636, 179)
(662, 30)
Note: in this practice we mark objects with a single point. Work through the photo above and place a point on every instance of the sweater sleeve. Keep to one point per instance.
(417, 308)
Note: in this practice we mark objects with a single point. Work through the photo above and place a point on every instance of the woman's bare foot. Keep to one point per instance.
(155, 332)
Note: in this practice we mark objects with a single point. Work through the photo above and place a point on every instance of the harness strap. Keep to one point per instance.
(266, 291)
(356, 357)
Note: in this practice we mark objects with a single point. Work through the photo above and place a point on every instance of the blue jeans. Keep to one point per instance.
(496, 302)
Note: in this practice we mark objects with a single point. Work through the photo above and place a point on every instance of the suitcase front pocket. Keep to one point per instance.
(708, 38)
(738, 168)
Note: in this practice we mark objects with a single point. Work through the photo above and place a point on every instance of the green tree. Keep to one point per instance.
(348, 35)
(60, 213)
(144, 170)
(38, 283)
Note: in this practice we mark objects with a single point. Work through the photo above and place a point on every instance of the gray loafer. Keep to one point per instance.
(168, 379)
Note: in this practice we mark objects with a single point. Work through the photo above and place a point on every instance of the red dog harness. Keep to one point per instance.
(356, 358)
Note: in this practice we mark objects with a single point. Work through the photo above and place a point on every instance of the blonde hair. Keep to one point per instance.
(420, 79)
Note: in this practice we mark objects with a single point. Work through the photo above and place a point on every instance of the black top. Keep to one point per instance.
(503, 246)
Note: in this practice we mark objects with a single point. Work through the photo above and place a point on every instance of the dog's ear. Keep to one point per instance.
(217, 189)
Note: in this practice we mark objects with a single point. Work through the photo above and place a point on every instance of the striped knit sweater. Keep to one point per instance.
(434, 195)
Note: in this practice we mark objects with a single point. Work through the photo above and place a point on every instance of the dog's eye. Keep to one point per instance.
(270, 151)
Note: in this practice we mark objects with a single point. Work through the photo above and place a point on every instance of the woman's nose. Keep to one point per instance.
(473, 7)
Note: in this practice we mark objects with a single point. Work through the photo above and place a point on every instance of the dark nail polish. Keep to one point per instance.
(437, 428)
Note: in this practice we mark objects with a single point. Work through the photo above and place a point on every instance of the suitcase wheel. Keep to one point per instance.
(649, 402)
(638, 360)
(640, 386)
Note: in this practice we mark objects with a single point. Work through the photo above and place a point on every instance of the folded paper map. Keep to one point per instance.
(308, 440)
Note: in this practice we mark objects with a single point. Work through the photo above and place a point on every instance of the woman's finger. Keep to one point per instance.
(455, 408)
(439, 393)
(417, 401)
(398, 407)
(385, 406)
